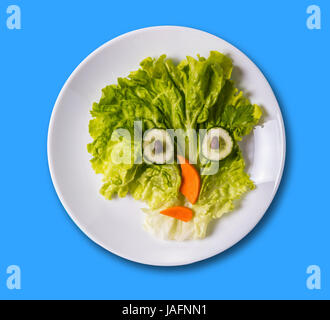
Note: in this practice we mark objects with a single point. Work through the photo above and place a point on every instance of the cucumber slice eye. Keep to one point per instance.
(158, 147)
(217, 144)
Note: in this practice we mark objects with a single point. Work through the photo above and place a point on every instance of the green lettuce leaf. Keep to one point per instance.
(234, 112)
(157, 185)
(200, 82)
(220, 191)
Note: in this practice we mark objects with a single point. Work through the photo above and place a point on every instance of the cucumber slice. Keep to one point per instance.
(158, 147)
(217, 144)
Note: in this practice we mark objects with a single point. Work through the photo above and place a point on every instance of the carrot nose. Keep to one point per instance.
(191, 181)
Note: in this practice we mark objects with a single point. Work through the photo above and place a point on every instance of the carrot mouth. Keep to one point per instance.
(181, 213)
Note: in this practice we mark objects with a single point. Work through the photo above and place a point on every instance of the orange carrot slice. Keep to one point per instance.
(181, 213)
(191, 181)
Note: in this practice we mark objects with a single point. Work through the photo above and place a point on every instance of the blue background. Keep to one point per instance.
(57, 260)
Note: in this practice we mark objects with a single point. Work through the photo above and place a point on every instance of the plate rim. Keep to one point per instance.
(50, 156)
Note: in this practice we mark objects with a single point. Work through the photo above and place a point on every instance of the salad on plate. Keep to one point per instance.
(168, 134)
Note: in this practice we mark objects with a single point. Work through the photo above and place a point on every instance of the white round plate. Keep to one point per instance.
(118, 225)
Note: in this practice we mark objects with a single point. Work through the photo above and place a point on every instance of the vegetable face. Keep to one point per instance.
(197, 94)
